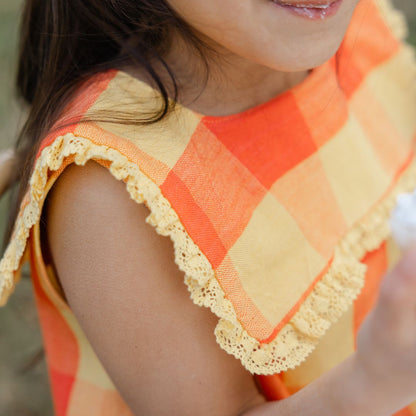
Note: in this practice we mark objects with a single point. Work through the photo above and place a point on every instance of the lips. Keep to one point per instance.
(310, 9)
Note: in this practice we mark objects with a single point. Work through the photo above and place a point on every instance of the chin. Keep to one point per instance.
(305, 45)
(304, 57)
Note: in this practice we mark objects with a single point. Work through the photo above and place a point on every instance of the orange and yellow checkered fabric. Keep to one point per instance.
(278, 214)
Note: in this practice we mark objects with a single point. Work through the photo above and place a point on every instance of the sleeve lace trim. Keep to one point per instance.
(328, 300)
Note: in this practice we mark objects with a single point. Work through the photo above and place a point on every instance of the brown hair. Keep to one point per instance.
(62, 43)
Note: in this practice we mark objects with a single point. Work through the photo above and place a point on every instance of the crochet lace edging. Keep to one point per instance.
(329, 299)
(331, 296)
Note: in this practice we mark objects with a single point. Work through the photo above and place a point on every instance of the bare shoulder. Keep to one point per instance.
(128, 294)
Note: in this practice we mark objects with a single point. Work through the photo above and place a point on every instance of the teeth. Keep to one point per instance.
(303, 6)
(318, 6)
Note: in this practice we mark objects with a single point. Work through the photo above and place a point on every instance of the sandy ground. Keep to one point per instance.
(24, 389)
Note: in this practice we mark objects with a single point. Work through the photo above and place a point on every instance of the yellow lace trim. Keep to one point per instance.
(329, 299)
(326, 303)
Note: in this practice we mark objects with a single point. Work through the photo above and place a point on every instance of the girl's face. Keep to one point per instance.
(279, 36)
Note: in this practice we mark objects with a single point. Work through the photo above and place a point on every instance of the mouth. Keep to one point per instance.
(311, 9)
(305, 3)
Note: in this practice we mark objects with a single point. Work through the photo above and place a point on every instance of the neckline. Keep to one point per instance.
(307, 89)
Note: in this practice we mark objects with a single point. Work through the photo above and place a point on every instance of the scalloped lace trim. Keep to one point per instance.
(329, 299)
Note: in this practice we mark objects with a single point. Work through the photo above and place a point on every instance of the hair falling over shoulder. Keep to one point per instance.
(62, 43)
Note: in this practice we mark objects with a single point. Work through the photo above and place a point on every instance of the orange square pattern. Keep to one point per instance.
(325, 112)
(379, 129)
(218, 182)
(308, 197)
(353, 67)
(197, 224)
(235, 173)
(272, 144)
(61, 385)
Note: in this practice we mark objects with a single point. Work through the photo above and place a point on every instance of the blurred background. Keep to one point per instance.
(24, 388)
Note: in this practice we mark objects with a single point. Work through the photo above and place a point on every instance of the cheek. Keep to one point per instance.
(201, 12)
(258, 31)
(218, 20)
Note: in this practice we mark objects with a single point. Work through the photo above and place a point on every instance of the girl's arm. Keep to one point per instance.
(123, 286)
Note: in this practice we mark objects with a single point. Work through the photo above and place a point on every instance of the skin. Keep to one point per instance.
(261, 51)
(127, 293)
(159, 348)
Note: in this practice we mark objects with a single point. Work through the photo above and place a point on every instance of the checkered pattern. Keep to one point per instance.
(266, 195)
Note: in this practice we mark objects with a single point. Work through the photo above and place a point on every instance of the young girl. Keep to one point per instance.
(268, 139)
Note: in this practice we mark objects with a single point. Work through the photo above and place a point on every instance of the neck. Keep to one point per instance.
(228, 84)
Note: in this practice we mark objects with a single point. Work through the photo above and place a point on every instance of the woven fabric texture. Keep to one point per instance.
(276, 213)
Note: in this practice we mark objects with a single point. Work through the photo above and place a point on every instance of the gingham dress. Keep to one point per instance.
(278, 214)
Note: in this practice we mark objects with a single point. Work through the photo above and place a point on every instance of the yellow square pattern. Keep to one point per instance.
(165, 140)
(273, 243)
(400, 107)
(358, 179)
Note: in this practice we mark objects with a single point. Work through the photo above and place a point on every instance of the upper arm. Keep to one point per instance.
(128, 295)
